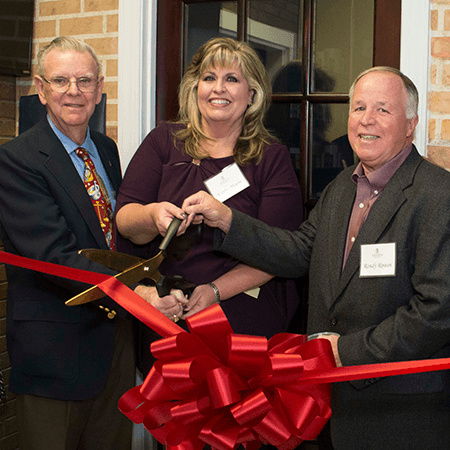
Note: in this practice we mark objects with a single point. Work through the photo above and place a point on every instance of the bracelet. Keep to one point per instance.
(216, 292)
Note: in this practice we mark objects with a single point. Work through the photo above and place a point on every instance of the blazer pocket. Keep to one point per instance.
(49, 311)
(45, 342)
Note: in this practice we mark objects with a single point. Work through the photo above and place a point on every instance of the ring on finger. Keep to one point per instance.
(175, 318)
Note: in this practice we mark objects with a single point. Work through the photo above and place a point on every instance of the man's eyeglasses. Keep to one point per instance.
(62, 84)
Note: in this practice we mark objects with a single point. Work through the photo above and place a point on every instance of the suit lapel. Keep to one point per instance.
(383, 211)
(338, 227)
(61, 167)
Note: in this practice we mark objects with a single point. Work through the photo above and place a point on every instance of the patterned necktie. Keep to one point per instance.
(98, 194)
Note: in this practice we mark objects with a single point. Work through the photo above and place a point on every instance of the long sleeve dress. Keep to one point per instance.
(159, 171)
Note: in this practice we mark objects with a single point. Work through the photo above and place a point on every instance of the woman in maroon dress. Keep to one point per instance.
(223, 97)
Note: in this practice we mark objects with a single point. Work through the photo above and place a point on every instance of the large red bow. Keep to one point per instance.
(214, 387)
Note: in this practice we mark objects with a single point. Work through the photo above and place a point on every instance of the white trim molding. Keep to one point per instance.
(137, 74)
(414, 59)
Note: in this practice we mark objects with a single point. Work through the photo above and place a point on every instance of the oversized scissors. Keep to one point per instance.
(134, 269)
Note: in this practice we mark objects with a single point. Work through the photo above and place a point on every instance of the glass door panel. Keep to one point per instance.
(207, 20)
(284, 121)
(275, 30)
(330, 150)
(342, 40)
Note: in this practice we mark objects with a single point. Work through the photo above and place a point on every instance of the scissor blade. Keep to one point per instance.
(87, 296)
(133, 269)
(114, 260)
(146, 269)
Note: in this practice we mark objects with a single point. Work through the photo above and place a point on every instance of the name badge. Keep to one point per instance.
(229, 182)
(378, 260)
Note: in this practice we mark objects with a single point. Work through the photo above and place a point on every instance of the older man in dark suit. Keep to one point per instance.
(69, 365)
(377, 248)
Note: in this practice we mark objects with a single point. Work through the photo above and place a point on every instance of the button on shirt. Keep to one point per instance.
(89, 145)
(368, 189)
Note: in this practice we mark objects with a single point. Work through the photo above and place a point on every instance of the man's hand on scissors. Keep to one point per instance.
(203, 207)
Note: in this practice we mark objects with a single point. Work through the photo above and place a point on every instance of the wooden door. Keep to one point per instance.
(313, 49)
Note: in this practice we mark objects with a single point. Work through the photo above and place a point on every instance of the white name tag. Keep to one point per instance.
(378, 260)
(230, 181)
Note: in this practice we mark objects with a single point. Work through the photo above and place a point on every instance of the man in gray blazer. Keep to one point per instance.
(377, 248)
(69, 365)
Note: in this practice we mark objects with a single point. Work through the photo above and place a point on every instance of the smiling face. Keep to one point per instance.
(223, 94)
(69, 111)
(377, 125)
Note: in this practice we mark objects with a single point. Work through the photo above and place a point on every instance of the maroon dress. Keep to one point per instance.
(159, 171)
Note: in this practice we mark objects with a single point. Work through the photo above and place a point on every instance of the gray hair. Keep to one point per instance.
(62, 44)
(412, 95)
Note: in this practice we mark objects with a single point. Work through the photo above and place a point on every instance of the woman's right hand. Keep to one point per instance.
(142, 223)
(162, 215)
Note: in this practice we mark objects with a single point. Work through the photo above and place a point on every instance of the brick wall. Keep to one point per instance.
(95, 22)
(438, 149)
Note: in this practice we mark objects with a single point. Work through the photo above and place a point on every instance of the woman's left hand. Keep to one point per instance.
(202, 297)
(171, 305)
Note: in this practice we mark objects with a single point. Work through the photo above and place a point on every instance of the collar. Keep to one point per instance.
(68, 144)
(379, 178)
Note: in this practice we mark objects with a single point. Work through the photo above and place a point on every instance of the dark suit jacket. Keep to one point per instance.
(56, 351)
(404, 317)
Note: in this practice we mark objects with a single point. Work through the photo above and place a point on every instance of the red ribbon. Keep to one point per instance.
(112, 287)
(216, 387)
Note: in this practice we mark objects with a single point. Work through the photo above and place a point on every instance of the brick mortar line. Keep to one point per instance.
(81, 15)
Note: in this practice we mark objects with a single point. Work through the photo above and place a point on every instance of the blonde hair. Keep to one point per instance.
(62, 44)
(224, 52)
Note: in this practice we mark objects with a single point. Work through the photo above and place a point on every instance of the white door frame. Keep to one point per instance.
(137, 74)
(414, 59)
